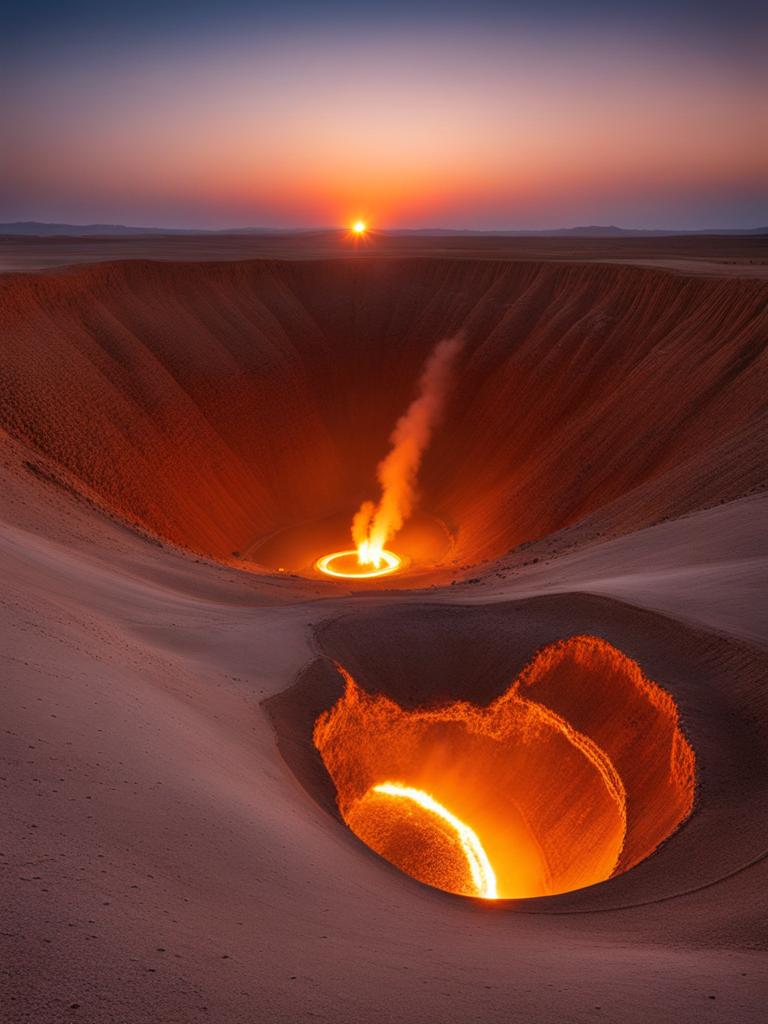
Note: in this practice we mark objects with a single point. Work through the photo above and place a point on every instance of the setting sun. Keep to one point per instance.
(359, 227)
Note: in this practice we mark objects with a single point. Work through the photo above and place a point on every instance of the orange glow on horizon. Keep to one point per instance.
(323, 131)
(359, 227)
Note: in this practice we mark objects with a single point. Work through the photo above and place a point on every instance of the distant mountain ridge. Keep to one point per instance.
(41, 229)
(586, 231)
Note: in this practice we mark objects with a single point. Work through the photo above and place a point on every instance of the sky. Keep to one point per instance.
(526, 114)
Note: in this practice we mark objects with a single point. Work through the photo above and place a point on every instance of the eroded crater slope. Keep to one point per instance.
(219, 404)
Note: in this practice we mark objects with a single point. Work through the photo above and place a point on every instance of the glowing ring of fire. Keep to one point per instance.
(392, 563)
(483, 875)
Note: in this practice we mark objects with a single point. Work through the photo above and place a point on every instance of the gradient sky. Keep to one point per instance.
(469, 115)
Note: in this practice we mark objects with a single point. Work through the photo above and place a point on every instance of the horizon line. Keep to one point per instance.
(93, 226)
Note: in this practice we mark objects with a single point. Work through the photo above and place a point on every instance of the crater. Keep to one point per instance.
(640, 686)
(576, 773)
(239, 410)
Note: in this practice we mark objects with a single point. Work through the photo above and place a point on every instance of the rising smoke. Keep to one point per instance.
(373, 525)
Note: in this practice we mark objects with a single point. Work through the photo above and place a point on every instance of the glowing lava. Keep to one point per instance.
(575, 773)
(353, 566)
(483, 876)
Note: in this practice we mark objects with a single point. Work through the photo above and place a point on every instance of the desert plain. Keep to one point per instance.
(173, 408)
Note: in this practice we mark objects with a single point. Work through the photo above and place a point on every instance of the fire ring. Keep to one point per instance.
(392, 563)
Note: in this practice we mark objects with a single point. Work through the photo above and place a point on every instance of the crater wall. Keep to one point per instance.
(214, 404)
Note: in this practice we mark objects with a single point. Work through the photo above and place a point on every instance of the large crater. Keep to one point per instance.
(242, 407)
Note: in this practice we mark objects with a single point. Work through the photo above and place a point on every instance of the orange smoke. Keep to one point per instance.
(373, 525)
(574, 774)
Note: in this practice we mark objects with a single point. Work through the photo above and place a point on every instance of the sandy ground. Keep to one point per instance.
(715, 255)
(166, 859)
(162, 862)
(709, 568)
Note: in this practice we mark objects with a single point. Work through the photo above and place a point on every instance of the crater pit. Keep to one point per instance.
(239, 410)
(576, 773)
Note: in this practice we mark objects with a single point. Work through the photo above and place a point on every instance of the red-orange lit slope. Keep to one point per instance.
(215, 404)
(576, 773)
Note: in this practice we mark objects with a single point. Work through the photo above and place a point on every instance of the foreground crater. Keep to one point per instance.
(574, 774)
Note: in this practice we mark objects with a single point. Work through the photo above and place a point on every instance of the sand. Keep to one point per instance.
(171, 851)
(710, 255)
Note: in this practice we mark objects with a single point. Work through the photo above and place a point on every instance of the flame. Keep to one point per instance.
(483, 876)
(374, 525)
(329, 564)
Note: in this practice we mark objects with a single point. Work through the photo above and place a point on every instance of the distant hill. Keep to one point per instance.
(40, 229)
(588, 231)
(611, 231)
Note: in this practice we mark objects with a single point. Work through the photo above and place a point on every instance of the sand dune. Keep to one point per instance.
(172, 848)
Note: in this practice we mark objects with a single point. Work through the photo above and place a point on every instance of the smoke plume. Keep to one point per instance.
(373, 525)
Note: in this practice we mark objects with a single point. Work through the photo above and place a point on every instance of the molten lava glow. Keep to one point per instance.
(483, 876)
(574, 774)
(349, 565)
